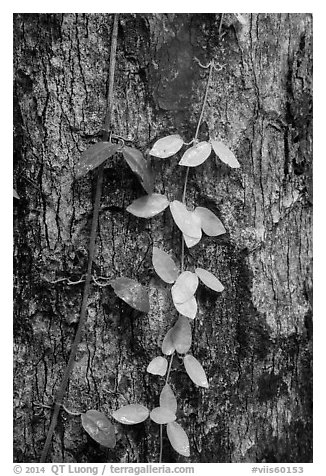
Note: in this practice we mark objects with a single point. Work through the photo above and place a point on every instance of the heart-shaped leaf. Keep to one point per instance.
(167, 146)
(99, 428)
(148, 206)
(16, 195)
(190, 242)
(196, 154)
(225, 154)
(195, 371)
(188, 308)
(167, 344)
(157, 366)
(178, 438)
(167, 399)
(131, 414)
(181, 335)
(132, 292)
(94, 156)
(164, 266)
(184, 287)
(185, 220)
(162, 415)
(209, 280)
(210, 224)
(140, 167)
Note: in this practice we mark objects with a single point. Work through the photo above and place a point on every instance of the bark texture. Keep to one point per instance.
(254, 339)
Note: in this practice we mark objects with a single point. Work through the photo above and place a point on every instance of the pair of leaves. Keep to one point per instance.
(136, 413)
(178, 338)
(96, 154)
(192, 223)
(176, 434)
(164, 414)
(132, 292)
(183, 292)
(97, 425)
(185, 283)
(195, 155)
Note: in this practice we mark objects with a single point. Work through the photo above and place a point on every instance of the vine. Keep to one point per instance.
(192, 223)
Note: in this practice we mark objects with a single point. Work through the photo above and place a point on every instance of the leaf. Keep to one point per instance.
(190, 242)
(99, 428)
(132, 292)
(210, 224)
(16, 195)
(167, 399)
(188, 308)
(94, 156)
(167, 146)
(195, 371)
(157, 366)
(140, 167)
(131, 414)
(148, 206)
(225, 154)
(181, 335)
(167, 344)
(196, 154)
(209, 280)
(184, 287)
(185, 220)
(164, 266)
(162, 415)
(178, 438)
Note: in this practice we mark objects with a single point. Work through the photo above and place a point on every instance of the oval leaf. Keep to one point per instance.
(99, 428)
(190, 242)
(196, 154)
(162, 415)
(164, 266)
(132, 292)
(195, 371)
(181, 335)
(157, 366)
(167, 146)
(209, 280)
(185, 220)
(140, 167)
(94, 156)
(188, 308)
(178, 438)
(148, 206)
(167, 344)
(225, 154)
(131, 414)
(167, 399)
(184, 287)
(210, 224)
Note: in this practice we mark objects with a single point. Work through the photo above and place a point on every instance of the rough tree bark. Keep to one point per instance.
(254, 339)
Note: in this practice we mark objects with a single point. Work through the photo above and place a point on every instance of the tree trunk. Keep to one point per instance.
(255, 338)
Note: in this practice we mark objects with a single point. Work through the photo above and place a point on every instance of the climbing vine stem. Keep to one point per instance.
(91, 251)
